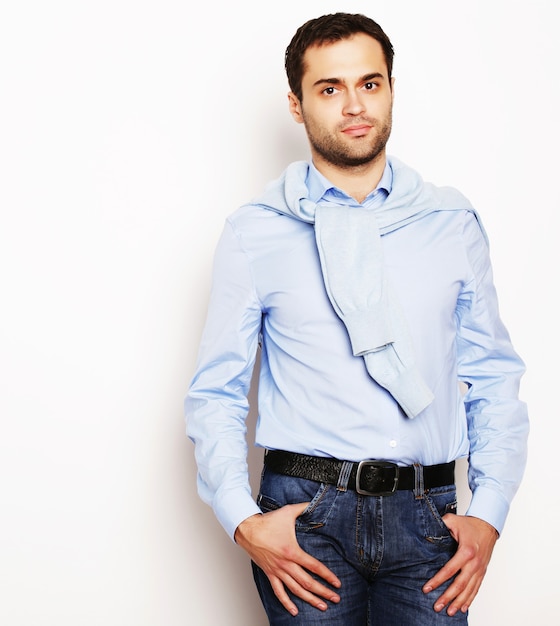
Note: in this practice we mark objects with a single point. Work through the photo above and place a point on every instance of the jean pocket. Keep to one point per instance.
(437, 503)
(278, 490)
(317, 511)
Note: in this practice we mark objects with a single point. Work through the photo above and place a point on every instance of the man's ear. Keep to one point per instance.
(295, 107)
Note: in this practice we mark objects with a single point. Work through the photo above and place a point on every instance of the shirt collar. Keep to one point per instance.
(320, 188)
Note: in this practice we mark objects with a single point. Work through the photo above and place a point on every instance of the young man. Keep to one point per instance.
(371, 294)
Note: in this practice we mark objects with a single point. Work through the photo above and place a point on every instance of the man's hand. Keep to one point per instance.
(476, 539)
(270, 540)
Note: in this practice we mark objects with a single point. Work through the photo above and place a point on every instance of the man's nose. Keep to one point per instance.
(353, 104)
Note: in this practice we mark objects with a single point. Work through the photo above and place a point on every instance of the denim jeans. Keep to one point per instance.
(382, 548)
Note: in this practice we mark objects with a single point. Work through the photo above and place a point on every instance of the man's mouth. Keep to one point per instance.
(357, 130)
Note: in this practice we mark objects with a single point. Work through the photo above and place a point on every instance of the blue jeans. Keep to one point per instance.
(383, 549)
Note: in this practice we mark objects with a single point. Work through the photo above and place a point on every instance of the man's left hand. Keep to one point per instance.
(476, 539)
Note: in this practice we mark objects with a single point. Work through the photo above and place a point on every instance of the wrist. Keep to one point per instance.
(487, 525)
(244, 527)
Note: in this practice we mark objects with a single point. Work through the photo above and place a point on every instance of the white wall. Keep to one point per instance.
(128, 131)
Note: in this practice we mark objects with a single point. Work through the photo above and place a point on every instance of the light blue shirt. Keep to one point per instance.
(315, 397)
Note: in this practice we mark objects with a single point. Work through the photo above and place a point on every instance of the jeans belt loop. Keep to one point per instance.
(418, 481)
(344, 475)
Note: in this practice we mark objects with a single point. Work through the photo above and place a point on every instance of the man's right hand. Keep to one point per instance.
(270, 540)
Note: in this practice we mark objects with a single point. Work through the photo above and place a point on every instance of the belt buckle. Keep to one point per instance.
(389, 485)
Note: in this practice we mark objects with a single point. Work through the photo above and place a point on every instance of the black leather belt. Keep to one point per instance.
(369, 478)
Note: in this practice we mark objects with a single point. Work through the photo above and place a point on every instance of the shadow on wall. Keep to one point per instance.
(254, 455)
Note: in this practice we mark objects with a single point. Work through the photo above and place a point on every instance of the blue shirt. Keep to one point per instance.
(315, 397)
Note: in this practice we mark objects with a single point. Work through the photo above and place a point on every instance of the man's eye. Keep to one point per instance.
(370, 86)
(329, 91)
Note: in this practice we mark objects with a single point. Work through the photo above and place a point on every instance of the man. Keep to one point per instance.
(371, 295)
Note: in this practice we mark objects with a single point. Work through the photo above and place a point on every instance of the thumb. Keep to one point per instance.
(450, 520)
(295, 510)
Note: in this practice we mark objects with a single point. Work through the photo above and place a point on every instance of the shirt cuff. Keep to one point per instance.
(233, 508)
(490, 506)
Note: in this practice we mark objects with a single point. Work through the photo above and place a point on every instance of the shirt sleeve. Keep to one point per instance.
(491, 369)
(216, 405)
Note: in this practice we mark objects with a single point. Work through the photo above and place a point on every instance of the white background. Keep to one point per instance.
(128, 131)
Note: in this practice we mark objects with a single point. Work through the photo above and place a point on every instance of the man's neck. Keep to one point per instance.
(357, 181)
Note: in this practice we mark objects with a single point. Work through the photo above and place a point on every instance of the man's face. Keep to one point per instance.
(347, 100)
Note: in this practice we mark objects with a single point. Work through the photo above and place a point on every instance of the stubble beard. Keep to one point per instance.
(360, 152)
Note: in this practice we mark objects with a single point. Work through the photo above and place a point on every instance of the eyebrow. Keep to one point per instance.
(338, 81)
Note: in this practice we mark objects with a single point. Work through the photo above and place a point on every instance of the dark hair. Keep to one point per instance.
(328, 29)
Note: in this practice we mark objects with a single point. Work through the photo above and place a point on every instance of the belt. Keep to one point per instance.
(369, 478)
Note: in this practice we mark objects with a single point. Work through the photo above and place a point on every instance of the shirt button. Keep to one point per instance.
(393, 443)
